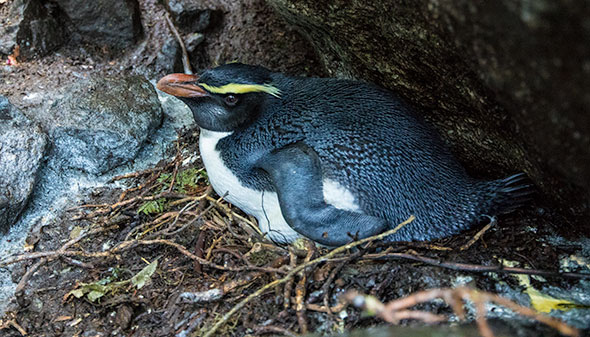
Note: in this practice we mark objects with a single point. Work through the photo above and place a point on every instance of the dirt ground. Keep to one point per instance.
(165, 256)
(249, 32)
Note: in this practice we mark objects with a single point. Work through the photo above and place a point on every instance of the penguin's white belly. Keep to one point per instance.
(263, 205)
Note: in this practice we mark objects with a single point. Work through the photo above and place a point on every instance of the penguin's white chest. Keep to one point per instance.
(263, 205)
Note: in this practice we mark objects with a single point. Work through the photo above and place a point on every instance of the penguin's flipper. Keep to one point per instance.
(296, 174)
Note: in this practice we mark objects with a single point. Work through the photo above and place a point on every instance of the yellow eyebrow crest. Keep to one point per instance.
(237, 88)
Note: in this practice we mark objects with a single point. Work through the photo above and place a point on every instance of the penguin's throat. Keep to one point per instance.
(215, 136)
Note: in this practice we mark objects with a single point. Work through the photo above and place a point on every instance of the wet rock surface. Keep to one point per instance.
(22, 146)
(505, 83)
(191, 16)
(100, 123)
(169, 58)
(115, 23)
(193, 40)
(33, 25)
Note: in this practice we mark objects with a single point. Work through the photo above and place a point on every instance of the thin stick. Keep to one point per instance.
(274, 329)
(296, 270)
(322, 308)
(186, 64)
(22, 283)
(300, 291)
(474, 267)
(397, 309)
(17, 326)
(479, 234)
(289, 286)
(199, 250)
(120, 204)
(25, 279)
(126, 245)
(332, 276)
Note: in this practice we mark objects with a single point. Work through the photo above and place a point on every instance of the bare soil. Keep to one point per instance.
(249, 32)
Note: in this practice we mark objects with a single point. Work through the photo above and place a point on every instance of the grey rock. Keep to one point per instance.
(505, 82)
(192, 41)
(8, 32)
(22, 146)
(169, 58)
(115, 23)
(100, 124)
(189, 16)
(35, 26)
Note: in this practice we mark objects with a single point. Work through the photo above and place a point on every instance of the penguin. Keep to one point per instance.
(331, 160)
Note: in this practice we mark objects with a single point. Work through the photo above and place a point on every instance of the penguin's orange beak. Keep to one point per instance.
(181, 85)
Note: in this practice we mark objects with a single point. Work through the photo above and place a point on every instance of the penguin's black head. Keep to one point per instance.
(224, 98)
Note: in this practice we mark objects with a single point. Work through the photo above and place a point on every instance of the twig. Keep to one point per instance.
(13, 323)
(142, 187)
(273, 329)
(25, 279)
(289, 285)
(185, 60)
(209, 295)
(332, 276)
(213, 244)
(126, 245)
(120, 204)
(156, 222)
(300, 291)
(166, 231)
(474, 267)
(479, 234)
(165, 218)
(295, 270)
(78, 263)
(10, 321)
(550, 321)
(217, 293)
(228, 212)
(396, 310)
(199, 250)
(322, 308)
(86, 206)
(202, 261)
(480, 319)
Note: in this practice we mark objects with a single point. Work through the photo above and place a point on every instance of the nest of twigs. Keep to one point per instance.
(169, 257)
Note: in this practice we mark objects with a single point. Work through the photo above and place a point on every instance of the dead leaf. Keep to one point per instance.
(12, 58)
(75, 322)
(144, 275)
(63, 318)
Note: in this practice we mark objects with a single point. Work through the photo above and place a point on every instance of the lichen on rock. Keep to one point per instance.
(22, 146)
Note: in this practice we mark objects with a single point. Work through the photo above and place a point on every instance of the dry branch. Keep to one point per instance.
(473, 267)
(185, 59)
(397, 310)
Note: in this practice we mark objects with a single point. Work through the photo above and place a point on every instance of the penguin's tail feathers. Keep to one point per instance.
(509, 194)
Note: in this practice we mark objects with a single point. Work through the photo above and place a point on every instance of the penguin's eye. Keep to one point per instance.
(231, 100)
